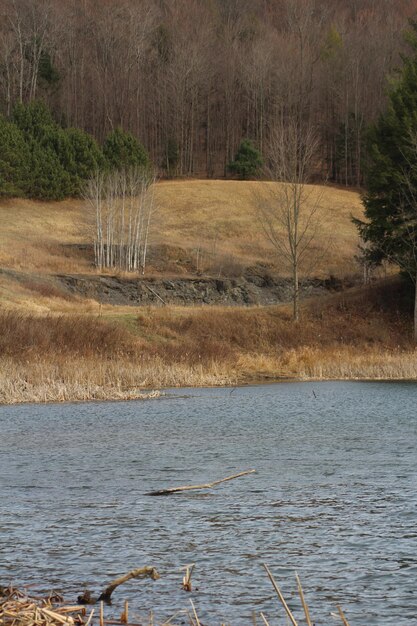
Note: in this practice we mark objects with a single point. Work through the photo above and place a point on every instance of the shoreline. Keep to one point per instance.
(111, 396)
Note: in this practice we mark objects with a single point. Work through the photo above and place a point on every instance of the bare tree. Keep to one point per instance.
(288, 212)
(122, 204)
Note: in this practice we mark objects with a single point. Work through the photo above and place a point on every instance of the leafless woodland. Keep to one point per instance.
(196, 76)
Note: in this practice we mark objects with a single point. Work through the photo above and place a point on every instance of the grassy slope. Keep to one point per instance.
(217, 217)
(76, 355)
(199, 212)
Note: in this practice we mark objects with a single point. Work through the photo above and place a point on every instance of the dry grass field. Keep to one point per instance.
(221, 215)
(215, 220)
(55, 346)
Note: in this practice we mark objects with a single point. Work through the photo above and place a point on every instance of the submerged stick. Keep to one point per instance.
(142, 572)
(167, 492)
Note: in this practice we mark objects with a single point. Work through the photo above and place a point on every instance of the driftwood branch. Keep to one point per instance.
(167, 492)
(142, 572)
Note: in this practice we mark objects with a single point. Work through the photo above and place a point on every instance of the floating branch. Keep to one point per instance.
(142, 572)
(167, 492)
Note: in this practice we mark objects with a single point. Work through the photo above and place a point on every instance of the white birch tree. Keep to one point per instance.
(122, 204)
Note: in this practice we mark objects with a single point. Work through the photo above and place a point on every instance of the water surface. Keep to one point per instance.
(334, 498)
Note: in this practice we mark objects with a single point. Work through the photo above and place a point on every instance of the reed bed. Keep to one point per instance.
(364, 334)
(78, 379)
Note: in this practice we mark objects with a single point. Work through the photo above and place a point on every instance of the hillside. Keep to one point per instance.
(191, 79)
(200, 228)
(60, 344)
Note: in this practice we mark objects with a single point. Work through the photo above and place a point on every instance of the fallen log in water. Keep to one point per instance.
(168, 492)
(142, 572)
(105, 596)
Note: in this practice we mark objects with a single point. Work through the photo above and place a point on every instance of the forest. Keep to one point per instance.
(191, 79)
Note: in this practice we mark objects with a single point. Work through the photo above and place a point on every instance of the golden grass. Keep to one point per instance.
(36, 236)
(58, 347)
(216, 218)
(362, 334)
(220, 216)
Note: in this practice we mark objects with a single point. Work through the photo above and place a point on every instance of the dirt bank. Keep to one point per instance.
(255, 287)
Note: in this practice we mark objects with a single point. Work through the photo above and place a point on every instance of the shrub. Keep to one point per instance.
(121, 149)
(247, 162)
(14, 160)
(60, 159)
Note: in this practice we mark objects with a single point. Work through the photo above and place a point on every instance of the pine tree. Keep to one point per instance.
(247, 161)
(390, 229)
(60, 159)
(48, 179)
(81, 158)
(122, 150)
(14, 160)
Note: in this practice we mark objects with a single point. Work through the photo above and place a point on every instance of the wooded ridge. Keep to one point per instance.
(191, 78)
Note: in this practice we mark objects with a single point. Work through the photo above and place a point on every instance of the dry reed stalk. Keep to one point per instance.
(303, 601)
(124, 618)
(16, 609)
(195, 613)
(186, 580)
(342, 616)
(265, 621)
(169, 620)
(280, 596)
(90, 617)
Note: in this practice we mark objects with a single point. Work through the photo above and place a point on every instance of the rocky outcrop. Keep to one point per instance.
(251, 289)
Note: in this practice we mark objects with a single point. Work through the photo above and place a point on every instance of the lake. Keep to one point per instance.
(334, 498)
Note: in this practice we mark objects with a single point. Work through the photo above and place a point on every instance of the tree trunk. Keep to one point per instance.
(296, 293)
(415, 310)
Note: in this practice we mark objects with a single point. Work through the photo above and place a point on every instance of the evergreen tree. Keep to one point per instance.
(14, 160)
(81, 158)
(33, 119)
(247, 161)
(390, 229)
(60, 159)
(48, 179)
(122, 150)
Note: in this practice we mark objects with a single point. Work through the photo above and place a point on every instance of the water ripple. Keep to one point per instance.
(334, 498)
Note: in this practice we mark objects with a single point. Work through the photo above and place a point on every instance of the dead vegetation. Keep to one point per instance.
(201, 226)
(18, 609)
(363, 333)
(57, 347)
